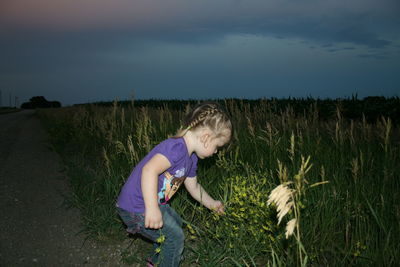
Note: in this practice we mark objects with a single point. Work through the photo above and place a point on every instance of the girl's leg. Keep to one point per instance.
(172, 247)
(135, 224)
(175, 215)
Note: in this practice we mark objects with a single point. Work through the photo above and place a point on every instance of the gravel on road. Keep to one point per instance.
(36, 229)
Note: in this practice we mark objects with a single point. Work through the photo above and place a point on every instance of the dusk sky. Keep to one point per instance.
(79, 51)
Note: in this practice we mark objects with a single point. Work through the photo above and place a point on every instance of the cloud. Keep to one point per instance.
(360, 22)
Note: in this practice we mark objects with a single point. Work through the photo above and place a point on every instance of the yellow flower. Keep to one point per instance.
(161, 239)
(190, 228)
(265, 228)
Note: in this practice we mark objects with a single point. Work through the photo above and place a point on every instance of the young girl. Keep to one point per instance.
(143, 201)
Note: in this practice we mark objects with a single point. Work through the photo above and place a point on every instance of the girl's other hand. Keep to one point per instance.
(153, 218)
(218, 207)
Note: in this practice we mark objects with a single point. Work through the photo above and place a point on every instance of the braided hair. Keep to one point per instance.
(206, 114)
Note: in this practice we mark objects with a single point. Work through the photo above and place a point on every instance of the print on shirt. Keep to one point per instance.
(171, 184)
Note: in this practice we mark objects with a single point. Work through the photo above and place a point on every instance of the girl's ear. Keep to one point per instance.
(204, 139)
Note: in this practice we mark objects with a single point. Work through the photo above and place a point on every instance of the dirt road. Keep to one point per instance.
(35, 227)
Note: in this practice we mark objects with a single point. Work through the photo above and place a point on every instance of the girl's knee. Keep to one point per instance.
(174, 234)
(180, 235)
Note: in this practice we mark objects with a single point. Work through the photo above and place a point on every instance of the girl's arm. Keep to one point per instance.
(198, 193)
(156, 165)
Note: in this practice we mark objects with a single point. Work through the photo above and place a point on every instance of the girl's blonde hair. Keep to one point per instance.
(206, 114)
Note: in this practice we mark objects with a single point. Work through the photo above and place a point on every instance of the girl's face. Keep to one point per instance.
(209, 144)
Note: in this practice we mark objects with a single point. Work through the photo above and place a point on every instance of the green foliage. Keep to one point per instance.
(352, 220)
(6, 110)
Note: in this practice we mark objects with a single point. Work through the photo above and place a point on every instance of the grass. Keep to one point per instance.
(6, 110)
(352, 220)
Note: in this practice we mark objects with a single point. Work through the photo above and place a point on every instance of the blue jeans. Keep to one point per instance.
(172, 248)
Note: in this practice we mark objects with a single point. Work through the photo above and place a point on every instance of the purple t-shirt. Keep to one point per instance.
(182, 165)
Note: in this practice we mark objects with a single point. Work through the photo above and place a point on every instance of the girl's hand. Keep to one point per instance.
(218, 207)
(153, 218)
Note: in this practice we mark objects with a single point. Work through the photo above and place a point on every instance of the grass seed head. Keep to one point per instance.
(282, 197)
(290, 227)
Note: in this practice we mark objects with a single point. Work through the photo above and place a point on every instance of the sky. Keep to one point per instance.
(76, 51)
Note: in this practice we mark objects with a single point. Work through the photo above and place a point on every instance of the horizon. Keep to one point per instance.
(353, 97)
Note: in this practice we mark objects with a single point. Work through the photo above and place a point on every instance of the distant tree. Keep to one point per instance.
(55, 104)
(40, 102)
(26, 105)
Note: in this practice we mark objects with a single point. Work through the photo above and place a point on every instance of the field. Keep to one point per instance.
(339, 159)
(5, 110)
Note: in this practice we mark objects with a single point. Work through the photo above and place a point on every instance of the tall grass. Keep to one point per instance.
(352, 220)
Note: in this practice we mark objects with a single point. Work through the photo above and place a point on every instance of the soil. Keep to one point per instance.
(36, 228)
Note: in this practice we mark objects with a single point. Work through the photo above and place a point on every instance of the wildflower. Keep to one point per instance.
(265, 228)
(282, 197)
(191, 230)
(161, 239)
(290, 227)
(158, 250)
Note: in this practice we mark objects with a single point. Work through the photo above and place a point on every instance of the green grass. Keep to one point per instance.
(353, 220)
(6, 110)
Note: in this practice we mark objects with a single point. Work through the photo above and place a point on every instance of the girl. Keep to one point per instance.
(143, 201)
